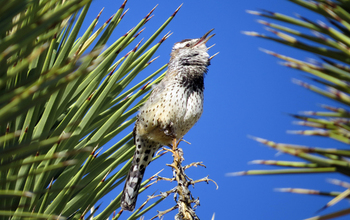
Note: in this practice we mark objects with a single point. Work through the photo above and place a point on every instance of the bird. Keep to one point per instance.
(174, 106)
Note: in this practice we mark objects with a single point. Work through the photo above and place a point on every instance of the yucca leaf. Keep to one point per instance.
(332, 215)
(284, 171)
(331, 71)
(58, 100)
(30, 215)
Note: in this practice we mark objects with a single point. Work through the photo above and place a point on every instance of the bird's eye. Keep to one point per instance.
(188, 45)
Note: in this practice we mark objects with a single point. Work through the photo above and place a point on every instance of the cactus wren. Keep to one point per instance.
(174, 106)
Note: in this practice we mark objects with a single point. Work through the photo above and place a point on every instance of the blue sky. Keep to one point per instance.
(247, 93)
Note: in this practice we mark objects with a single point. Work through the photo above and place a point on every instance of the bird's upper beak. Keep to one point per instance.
(204, 39)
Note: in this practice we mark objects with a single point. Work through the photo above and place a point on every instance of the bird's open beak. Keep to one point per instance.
(204, 39)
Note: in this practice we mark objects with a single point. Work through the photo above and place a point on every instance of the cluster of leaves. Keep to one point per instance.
(330, 41)
(62, 98)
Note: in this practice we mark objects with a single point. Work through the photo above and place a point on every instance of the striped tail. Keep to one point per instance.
(143, 155)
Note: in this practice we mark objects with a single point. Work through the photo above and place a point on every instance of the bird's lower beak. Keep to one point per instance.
(204, 39)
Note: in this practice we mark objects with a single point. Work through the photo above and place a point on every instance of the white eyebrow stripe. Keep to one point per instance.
(183, 44)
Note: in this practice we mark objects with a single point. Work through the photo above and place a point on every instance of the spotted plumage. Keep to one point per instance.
(174, 106)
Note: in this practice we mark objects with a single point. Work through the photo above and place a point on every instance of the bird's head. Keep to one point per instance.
(191, 51)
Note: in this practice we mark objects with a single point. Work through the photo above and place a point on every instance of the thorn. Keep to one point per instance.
(120, 212)
(322, 24)
(302, 123)
(329, 107)
(252, 33)
(149, 19)
(290, 64)
(127, 54)
(136, 35)
(282, 35)
(122, 16)
(264, 22)
(242, 173)
(151, 61)
(294, 132)
(96, 154)
(123, 5)
(151, 12)
(213, 56)
(283, 189)
(334, 91)
(126, 97)
(78, 51)
(173, 15)
(253, 12)
(94, 150)
(302, 191)
(109, 19)
(104, 178)
(256, 162)
(166, 36)
(300, 83)
(90, 96)
(99, 14)
(137, 45)
(268, 51)
(210, 47)
(261, 140)
(118, 51)
(319, 35)
(339, 183)
(113, 70)
(84, 213)
(343, 45)
(126, 34)
(307, 113)
(144, 87)
(50, 185)
(331, 13)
